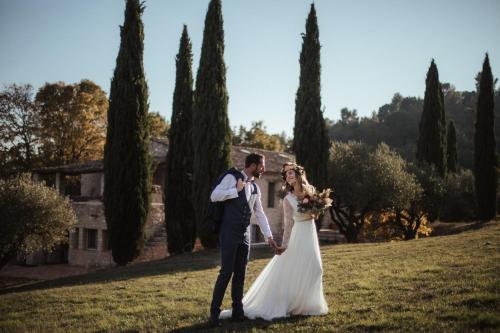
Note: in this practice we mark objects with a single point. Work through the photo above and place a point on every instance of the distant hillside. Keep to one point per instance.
(396, 123)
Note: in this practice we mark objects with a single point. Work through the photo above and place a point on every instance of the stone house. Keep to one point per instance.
(84, 184)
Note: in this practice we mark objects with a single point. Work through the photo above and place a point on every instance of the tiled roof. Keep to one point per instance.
(274, 159)
(159, 148)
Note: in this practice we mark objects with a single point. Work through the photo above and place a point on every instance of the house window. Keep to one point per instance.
(72, 185)
(76, 236)
(91, 239)
(270, 195)
(105, 241)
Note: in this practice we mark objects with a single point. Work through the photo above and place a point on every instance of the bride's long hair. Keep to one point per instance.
(300, 174)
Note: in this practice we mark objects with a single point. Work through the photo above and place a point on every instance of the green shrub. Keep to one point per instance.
(367, 182)
(433, 186)
(33, 217)
(458, 203)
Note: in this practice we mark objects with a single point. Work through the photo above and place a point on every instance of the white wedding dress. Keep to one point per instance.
(291, 283)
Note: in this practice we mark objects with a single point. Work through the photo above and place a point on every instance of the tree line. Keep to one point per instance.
(396, 123)
(373, 183)
(60, 124)
(399, 187)
(202, 111)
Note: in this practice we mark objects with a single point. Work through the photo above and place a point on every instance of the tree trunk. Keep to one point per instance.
(4, 259)
(345, 222)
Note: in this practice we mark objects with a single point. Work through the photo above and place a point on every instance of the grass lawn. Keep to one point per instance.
(438, 284)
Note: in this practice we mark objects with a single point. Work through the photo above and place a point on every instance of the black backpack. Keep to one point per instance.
(215, 210)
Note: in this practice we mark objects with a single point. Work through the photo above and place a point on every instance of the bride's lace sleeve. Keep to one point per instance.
(288, 222)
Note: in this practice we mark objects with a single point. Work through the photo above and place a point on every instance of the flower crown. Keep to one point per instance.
(299, 170)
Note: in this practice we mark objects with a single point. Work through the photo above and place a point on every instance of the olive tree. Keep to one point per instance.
(34, 217)
(367, 182)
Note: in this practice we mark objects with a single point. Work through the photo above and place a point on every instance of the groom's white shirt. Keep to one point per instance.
(227, 190)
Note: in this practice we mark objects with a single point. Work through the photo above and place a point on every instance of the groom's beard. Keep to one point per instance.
(256, 174)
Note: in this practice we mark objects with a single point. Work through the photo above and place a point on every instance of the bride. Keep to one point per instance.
(291, 283)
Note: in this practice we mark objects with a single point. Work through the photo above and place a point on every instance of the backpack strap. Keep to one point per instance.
(254, 188)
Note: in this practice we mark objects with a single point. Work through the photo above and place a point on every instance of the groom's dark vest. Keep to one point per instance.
(236, 217)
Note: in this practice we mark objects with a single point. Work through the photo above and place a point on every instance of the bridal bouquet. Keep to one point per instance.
(315, 204)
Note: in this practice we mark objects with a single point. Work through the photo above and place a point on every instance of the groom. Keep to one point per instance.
(241, 197)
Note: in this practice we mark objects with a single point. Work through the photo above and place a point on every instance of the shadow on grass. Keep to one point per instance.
(188, 262)
(12, 282)
(453, 228)
(245, 326)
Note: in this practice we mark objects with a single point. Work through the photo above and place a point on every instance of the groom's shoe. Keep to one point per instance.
(214, 322)
(238, 318)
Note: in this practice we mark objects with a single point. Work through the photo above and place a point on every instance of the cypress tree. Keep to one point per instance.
(431, 145)
(451, 146)
(485, 146)
(211, 130)
(179, 212)
(310, 139)
(127, 185)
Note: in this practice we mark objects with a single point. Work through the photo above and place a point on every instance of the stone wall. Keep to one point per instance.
(91, 184)
(90, 216)
(156, 216)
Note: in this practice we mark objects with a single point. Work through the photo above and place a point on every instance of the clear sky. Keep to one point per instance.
(370, 48)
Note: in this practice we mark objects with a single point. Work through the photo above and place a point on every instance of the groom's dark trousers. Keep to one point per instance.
(234, 248)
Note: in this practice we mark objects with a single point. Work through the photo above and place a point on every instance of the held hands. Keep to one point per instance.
(277, 250)
(272, 243)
